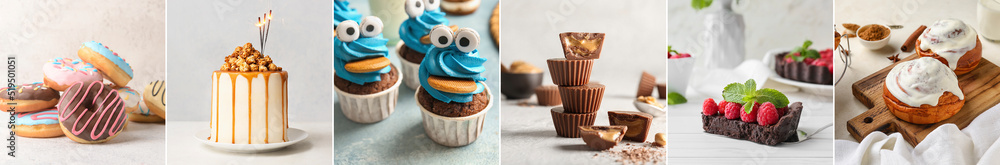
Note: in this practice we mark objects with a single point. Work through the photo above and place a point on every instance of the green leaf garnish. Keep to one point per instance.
(700, 4)
(804, 52)
(675, 98)
(748, 95)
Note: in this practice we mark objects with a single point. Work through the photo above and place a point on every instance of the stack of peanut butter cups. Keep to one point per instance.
(581, 99)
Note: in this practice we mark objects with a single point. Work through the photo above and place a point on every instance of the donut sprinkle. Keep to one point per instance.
(110, 55)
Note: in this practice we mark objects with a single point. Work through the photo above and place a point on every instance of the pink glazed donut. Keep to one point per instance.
(60, 73)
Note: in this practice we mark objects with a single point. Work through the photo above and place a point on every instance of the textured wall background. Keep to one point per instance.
(202, 33)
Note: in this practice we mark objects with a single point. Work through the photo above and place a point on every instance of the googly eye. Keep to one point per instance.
(371, 26)
(415, 8)
(441, 36)
(466, 39)
(431, 5)
(348, 31)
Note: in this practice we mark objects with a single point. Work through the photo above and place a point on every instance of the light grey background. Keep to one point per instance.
(635, 41)
(770, 24)
(203, 33)
(37, 31)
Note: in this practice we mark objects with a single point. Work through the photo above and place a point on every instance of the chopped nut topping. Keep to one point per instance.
(650, 100)
(247, 59)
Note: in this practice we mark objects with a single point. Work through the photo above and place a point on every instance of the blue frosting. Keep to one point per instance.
(414, 28)
(362, 48)
(450, 62)
(111, 56)
(343, 12)
(44, 117)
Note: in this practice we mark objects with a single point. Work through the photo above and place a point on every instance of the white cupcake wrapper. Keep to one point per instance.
(410, 69)
(454, 131)
(369, 108)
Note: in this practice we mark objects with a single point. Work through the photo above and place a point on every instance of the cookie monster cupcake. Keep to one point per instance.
(342, 11)
(414, 33)
(367, 84)
(452, 97)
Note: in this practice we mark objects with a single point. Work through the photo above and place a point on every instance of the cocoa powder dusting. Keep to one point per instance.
(635, 154)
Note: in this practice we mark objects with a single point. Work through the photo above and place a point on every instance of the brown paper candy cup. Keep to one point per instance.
(567, 124)
(582, 99)
(570, 72)
(646, 85)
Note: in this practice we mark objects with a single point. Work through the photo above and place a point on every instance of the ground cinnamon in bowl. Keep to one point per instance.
(873, 32)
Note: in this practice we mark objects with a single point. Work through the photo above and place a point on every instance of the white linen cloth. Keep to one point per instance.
(976, 144)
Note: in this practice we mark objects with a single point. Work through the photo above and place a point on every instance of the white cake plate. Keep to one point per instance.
(294, 136)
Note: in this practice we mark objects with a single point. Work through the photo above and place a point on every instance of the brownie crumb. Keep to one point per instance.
(453, 109)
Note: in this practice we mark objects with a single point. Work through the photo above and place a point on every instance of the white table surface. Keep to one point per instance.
(688, 143)
(315, 149)
(866, 62)
(140, 143)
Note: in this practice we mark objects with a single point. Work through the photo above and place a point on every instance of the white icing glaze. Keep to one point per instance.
(922, 81)
(950, 39)
(248, 111)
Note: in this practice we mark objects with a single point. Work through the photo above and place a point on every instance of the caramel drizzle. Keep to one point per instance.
(284, 105)
(233, 81)
(249, 107)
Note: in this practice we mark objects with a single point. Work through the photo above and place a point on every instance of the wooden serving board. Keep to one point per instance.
(980, 87)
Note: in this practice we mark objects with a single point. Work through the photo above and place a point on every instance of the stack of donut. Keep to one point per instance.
(88, 110)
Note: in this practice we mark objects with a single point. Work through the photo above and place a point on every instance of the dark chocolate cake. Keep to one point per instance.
(783, 131)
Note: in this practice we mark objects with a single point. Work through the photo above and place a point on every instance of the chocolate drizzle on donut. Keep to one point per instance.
(92, 111)
(157, 89)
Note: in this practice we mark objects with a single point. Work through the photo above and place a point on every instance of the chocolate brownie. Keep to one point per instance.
(453, 109)
(783, 131)
(410, 54)
(388, 80)
(800, 71)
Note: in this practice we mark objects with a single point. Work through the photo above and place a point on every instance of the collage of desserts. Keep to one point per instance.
(432, 82)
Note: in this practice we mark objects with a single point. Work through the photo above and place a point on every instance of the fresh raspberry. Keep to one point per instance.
(733, 110)
(768, 114)
(722, 107)
(752, 116)
(789, 60)
(709, 108)
(782, 111)
(808, 60)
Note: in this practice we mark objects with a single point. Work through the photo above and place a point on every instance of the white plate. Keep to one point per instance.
(650, 109)
(294, 136)
(821, 89)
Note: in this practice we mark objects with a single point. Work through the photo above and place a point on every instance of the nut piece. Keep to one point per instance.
(520, 66)
(247, 59)
(650, 100)
(602, 137)
(661, 139)
(582, 46)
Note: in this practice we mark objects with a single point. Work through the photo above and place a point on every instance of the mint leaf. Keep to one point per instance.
(675, 98)
(734, 92)
(774, 96)
(811, 53)
(806, 44)
(700, 4)
(748, 106)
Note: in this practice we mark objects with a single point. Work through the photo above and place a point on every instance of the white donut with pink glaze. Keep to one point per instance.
(60, 73)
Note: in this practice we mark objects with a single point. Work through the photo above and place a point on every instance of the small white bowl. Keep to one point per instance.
(649, 108)
(875, 45)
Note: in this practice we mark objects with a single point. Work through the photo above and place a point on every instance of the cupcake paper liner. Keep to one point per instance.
(454, 131)
(567, 124)
(548, 95)
(410, 69)
(582, 99)
(570, 72)
(369, 108)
